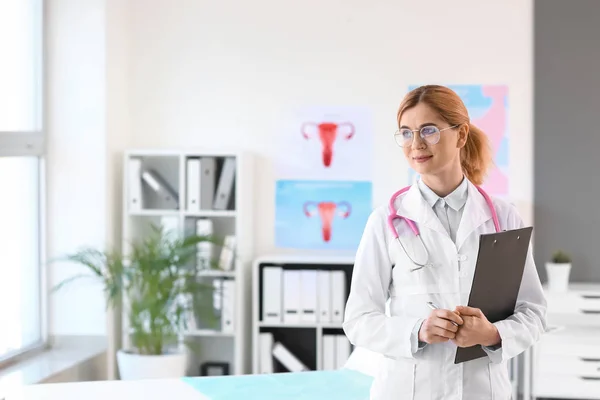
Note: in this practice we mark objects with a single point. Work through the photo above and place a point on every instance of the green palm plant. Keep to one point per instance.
(157, 283)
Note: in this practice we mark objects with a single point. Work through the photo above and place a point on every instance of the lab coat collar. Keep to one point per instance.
(476, 212)
(415, 207)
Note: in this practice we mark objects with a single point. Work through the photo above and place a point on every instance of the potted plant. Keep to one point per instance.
(158, 286)
(558, 271)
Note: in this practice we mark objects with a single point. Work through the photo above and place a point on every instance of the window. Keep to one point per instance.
(21, 177)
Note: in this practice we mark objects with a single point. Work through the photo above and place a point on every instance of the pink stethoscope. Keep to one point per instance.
(394, 215)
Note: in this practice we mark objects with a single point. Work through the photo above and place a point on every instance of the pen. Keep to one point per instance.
(434, 307)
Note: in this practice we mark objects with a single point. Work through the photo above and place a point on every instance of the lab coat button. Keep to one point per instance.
(462, 257)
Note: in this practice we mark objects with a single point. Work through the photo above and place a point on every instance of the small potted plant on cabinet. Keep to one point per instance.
(157, 284)
(558, 271)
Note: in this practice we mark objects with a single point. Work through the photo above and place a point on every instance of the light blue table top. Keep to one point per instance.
(342, 384)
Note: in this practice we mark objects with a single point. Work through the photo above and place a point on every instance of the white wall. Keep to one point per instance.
(87, 131)
(76, 123)
(214, 73)
(193, 73)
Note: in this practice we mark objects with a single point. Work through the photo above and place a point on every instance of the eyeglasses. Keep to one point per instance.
(429, 133)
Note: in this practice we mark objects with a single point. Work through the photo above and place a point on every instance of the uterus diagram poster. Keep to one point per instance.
(331, 143)
(323, 193)
(321, 215)
(487, 106)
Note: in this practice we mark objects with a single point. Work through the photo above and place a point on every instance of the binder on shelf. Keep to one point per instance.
(291, 296)
(328, 352)
(218, 299)
(271, 297)
(214, 298)
(324, 296)
(225, 188)
(193, 185)
(191, 317)
(227, 257)
(228, 311)
(342, 350)
(265, 347)
(166, 195)
(287, 359)
(135, 184)
(204, 250)
(338, 296)
(335, 351)
(208, 170)
(308, 298)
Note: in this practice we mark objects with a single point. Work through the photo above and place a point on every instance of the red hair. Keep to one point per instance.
(476, 155)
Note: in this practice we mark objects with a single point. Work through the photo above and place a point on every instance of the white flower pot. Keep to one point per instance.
(558, 276)
(138, 366)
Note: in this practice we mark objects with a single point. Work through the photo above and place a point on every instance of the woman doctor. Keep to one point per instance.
(418, 343)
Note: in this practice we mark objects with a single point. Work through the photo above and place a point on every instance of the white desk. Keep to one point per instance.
(109, 390)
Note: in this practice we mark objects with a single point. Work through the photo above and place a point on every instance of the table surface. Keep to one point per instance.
(109, 390)
(342, 384)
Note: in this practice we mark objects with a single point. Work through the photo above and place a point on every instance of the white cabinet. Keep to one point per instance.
(566, 361)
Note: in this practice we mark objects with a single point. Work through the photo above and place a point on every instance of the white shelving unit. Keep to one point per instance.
(236, 220)
(303, 339)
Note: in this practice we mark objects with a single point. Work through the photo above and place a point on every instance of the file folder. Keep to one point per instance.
(224, 195)
(228, 311)
(328, 351)
(342, 350)
(215, 298)
(265, 347)
(338, 296)
(227, 256)
(291, 296)
(135, 184)
(167, 197)
(500, 264)
(218, 296)
(272, 294)
(288, 359)
(208, 170)
(190, 320)
(193, 185)
(324, 300)
(308, 292)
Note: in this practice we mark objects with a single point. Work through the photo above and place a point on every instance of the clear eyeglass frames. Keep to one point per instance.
(430, 134)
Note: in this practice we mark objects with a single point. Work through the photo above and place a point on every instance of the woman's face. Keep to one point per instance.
(423, 155)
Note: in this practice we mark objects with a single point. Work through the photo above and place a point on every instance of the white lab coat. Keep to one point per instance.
(429, 373)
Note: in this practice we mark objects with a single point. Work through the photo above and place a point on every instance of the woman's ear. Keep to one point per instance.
(463, 134)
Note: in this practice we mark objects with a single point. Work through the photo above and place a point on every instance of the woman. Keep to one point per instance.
(418, 343)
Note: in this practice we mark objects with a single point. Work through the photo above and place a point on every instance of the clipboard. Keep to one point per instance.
(497, 279)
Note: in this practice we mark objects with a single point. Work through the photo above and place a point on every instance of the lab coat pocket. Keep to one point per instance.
(499, 381)
(395, 380)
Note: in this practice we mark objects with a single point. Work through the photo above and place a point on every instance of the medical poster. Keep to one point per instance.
(488, 109)
(325, 143)
(321, 214)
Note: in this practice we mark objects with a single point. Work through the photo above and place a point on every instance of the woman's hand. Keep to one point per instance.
(438, 328)
(476, 329)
